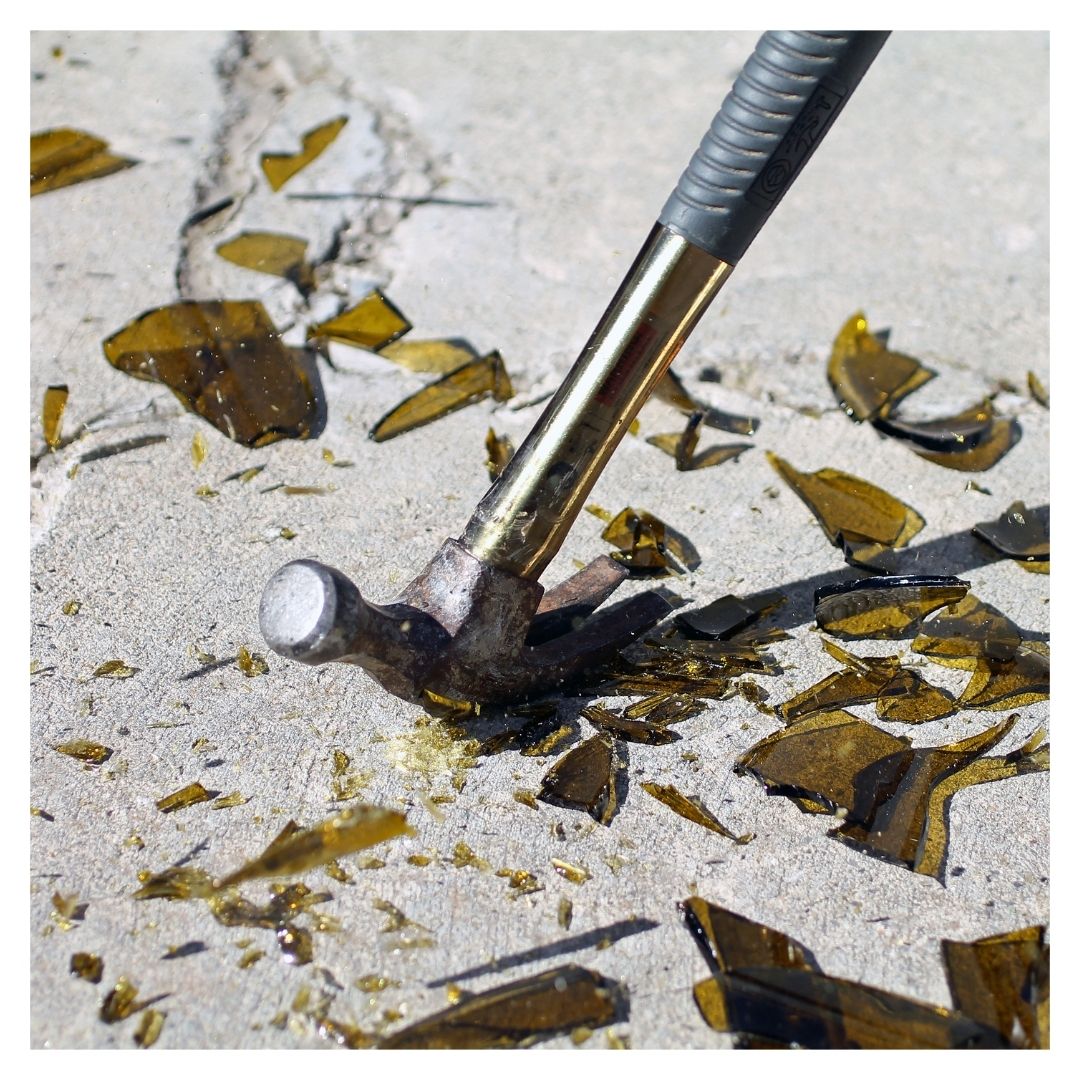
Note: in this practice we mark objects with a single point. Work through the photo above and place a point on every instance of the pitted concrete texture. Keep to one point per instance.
(926, 206)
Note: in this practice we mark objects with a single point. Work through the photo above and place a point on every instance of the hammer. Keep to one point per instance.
(475, 625)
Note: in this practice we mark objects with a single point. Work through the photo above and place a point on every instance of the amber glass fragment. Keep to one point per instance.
(1000, 438)
(884, 607)
(1003, 981)
(867, 378)
(372, 323)
(278, 254)
(584, 779)
(225, 362)
(52, 414)
(908, 699)
(185, 797)
(1008, 684)
(682, 447)
(692, 809)
(850, 509)
(517, 1014)
(648, 546)
(295, 944)
(88, 966)
(251, 664)
(971, 441)
(465, 856)
(84, 750)
(653, 734)
(435, 357)
(63, 156)
(1017, 533)
(577, 874)
(526, 798)
(966, 633)
(835, 691)
(114, 669)
(348, 831)
(725, 616)
(233, 799)
(150, 1024)
(175, 883)
(671, 390)
(566, 912)
(280, 168)
(120, 1002)
(499, 452)
(468, 384)
(1038, 390)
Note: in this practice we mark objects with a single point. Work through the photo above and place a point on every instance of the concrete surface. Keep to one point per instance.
(926, 207)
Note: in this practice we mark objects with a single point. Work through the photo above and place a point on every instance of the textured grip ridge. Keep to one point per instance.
(783, 102)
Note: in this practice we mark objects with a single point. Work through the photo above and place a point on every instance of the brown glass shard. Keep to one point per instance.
(277, 254)
(52, 414)
(517, 1014)
(867, 378)
(114, 669)
(671, 390)
(1037, 390)
(348, 831)
(499, 452)
(175, 883)
(1008, 684)
(150, 1024)
(279, 168)
(84, 750)
(1018, 533)
(851, 511)
(652, 734)
(465, 856)
(693, 810)
(682, 446)
(971, 441)
(295, 943)
(372, 323)
(468, 384)
(585, 779)
(63, 156)
(725, 616)
(968, 632)
(182, 799)
(225, 361)
(522, 882)
(884, 607)
(88, 966)
(1003, 981)
(647, 546)
(576, 874)
(435, 357)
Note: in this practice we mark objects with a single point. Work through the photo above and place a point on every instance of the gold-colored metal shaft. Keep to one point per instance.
(521, 522)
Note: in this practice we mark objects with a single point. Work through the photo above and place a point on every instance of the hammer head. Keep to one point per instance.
(462, 629)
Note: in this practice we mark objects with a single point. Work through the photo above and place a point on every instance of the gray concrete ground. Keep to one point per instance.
(926, 207)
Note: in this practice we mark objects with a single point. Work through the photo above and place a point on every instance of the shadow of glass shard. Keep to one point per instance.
(279, 168)
(300, 849)
(518, 1014)
(434, 357)
(585, 779)
(225, 362)
(693, 810)
(647, 546)
(1020, 535)
(1003, 981)
(271, 253)
(884, 607)
(893, 799)
(52, 414)
(468, 384)
(768, 991)
(671, 390)
(372, 323)
(499, 452)
(856, 515)
(867, 378)
(682, 446)
(63, 156)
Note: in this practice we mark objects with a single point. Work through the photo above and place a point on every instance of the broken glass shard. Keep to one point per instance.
(372, 323)
(972, 441)
(1038, 390)
(52, 414)
(278, 254)
(63, 156)
(251, 664)
(150, 1024)
(577, 874)
(348, 831)
(1008, 684)
(1018, 533)
(499, 452)
(647, 546)
(517, 1014)
(671, 390)
(1003, 981)
(652, 734)
(84, 750)
(692, 809)
(175, 883)
(226, 362)
(279, 168)
(88, 966)
(966, 633)
(113, 669)
(867, 378)
(585, 779)
(120, 1002)
(295, 943)
(725, 616)
(851, 510)
(682, 446)
(468, 384)
(434, 357)
(566, 912)
(884, 607)
(185, 797)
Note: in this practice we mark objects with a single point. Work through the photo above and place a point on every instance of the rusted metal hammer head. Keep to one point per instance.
(462, 629)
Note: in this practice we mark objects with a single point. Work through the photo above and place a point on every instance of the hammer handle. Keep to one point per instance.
(783, 102)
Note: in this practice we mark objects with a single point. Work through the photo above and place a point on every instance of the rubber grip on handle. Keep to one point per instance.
(784, 101)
